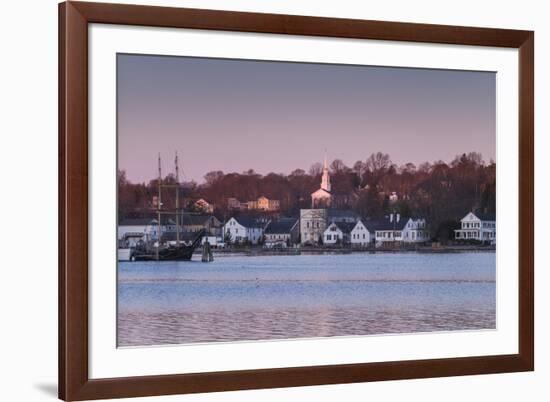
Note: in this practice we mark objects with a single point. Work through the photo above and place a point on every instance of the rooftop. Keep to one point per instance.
(385, 224)
(283, 225)
(250, 221)
(195, 219)
(484, 217)
(345, 227)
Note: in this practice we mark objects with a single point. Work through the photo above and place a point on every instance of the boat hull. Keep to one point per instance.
(182, 253)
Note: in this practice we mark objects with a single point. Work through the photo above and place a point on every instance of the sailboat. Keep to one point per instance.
(168, 252)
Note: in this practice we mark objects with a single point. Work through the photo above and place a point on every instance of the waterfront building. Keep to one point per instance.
(415, 231)
(338, 233)
(313, 223)
(360, 234)
(245, 229)
(389, 230)
(282, 232)
(477, 226)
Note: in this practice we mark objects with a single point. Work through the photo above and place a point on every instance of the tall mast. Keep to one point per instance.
(159, 205)
(177, 201)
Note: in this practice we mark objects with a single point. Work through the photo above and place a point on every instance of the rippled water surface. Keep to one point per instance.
(277, 297)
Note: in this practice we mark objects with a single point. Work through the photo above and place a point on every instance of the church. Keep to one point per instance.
(322, 198)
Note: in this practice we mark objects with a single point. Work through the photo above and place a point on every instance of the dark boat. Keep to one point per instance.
(181, 252)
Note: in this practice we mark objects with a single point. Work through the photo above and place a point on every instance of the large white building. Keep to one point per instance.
(475, 226)
(313, 223)
(244, 229)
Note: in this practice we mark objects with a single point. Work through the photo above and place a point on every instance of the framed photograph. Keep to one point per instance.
(259, 200)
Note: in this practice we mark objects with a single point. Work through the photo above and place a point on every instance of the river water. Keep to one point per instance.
(239, 298)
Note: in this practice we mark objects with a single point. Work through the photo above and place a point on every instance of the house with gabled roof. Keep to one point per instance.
(477, 226)
(360, 234)
(338, 233)
(395, 228)
(192, 222)
(389, 230)
(244, 229)
(416, 231)
(282, 232)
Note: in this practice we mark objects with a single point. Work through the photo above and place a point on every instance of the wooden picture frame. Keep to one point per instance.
(74, 381)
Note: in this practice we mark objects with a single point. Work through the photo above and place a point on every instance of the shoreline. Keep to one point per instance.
(253, 251)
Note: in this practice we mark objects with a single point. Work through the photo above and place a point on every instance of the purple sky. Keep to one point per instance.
(233, 115)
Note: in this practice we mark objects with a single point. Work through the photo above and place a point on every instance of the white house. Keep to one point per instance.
(415, 231)
(389, 230)
(337, 233)
(476, 226)
(244, 228)
(360, 235)
(282, 232)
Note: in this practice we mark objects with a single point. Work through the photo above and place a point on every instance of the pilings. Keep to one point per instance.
(207, 255)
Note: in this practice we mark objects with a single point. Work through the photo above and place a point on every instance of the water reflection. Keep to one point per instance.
(253, 298)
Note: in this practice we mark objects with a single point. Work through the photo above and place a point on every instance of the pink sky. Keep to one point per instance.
(234, 115)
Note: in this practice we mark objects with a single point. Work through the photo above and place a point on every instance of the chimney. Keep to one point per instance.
(397, 218)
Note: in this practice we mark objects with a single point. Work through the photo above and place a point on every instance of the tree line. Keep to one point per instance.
(440, 192)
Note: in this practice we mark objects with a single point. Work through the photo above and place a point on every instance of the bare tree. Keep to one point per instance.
(424, 167)
(359, 168)
(378, 162)
(407, 168)
(213, 177)
(298, 173)
(315, 169)
(338, 166)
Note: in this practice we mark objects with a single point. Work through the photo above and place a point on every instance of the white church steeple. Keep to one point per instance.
(325, 180)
